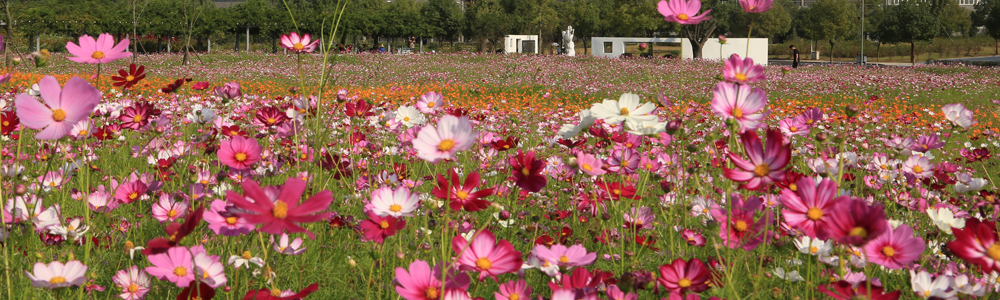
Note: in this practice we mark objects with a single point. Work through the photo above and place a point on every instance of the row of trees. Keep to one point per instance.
(486, 21)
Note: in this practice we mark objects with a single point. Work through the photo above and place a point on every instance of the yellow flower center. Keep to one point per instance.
(587, 167)
(280, 209)
(83, 132)
(762, 170)
(129, 245)
(275, 293)
(241, 157)
(682, 17)
(58, 115)
(246, 255)
(384, 224)
(994, 252)
(484, 263)
(888, 251)
(430, 104)
(684, 282)
(514, 297)
(624, 111)
(271, 120)
(298, 46)
(137, 119)
(172, 213)
(813, 250)
(525, 171)
(793, 129)
(70, 228)
(231, 220)
(446, 145)
(793, 187)
(814, 213)
(132, 288)
(737, 112)
(6, 123)
(129, 78)
(433, 293)
(406, 119)
(885, 167)
(97, 55)
(741, 226)
(133, 195)
(862, 233)
(395, 208)
(563, 259)
(180, 271)
(57, 280)
(741, 77)
(462, 195)
(918, 169)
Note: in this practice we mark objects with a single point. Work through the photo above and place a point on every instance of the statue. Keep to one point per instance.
(568, 41)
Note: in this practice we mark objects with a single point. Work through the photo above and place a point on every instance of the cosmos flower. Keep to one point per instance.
(176, 265)
(430, 102)
(573, 256)
(462, 195)
(398, 203)
(741, 103)
(101, 51)
(742, 71)
(452, 134)
(978, 244)
(682, 11)
(485, 255)
(133, 282)
(63, 107)
(896, 248)
(527, 171)
(765, 165)
(127, 79)
(810, 207)
(756, 6)
(957, 114)
(419, 282)
(57, 275)
(626, 108)
(239, 153)
(855, 223)
(377, 228)
(682, 276)
(283, 247)
(299, 44)
(285, 212)
(589, 164)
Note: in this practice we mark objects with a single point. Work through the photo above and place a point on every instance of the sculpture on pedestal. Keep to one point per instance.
(568, 41)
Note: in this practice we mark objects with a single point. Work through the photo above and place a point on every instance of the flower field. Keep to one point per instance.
(461, 176)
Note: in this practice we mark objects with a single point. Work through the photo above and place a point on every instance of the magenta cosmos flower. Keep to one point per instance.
(765, 165)
(422, 283)
(896, 248)
(452, 134)
(854, 222)
(63, 108)
(485, 255)
(285, 211)
(574, 256)
(810, 207)
(742, 71)
(756, 6)
(740, 103)
(101, 51)
(684, 276)
(57, 274)
(978, 244)
(294, 42)
(240, 153)
(514, 290)
(682, 11)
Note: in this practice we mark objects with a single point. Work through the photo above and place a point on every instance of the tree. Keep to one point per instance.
(908, 22)
(486, 20)
(987, 15)
(951, 17)
(443, 17)
(732, 19)
(829, 20)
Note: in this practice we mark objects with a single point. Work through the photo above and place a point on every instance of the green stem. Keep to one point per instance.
(747, 54)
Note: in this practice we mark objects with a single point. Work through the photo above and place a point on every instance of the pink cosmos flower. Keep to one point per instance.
(514, 290)
(742, 71)
(101, 201)
(978, 244)
(285, 211)
(283, 247)
(130, 191)
(765, 165)
(420, 283)
(796, 126)
(430, 102)
(240, 153)
(589, 164)
(175, 266)
(452, 134)
(615, 293)
(682, 11)
(222, 219)
(741, 103)
(63, 108)
(854, 222)
(299, 44)
(485, 255)
(810, 207)
(574, 256)
(398, 203)
(134, 283)
(101, 51)
(896, 248)
(639, 218)
(756, 6)
(738, 228)
(166, 210)
(693, 238)
(919, 166)
(462, 195)
(57, 275)
(208, 267)
(682, 276)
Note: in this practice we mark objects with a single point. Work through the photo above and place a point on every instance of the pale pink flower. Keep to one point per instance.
(741, 103)
(452, 134)
(134, 283)
(57, 275)
(297, 43)
(63, 107)
(682, 11)
(430, 102)
(101, 51)
(742, 71)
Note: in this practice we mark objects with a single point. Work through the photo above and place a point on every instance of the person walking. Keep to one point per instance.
(795, 56)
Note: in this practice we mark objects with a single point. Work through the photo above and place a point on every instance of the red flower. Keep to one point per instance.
(378, 228)
(275, 294)
(975, 155)
(842, 290)
(172, 87)
(270, 117)
(234, 130)
(504, 145)
(977, 243)
(130, 78)
(854, 222)
(176, 233)
(616, 191)
(462, 195)
(204, 292)
(282, 213)
(9, 121)
(138, 115)
(685, 276)
(360, 109)
(526, 170)
(572, 144)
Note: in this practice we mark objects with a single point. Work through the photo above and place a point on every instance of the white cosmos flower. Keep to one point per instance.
(200, 114)
(587, 118)
(792, 276)
(925, 288)
(944, 219)
(813, 246)
(645, 127)
(958, 115)
(626, 108)
(410, 116)
(971, 185)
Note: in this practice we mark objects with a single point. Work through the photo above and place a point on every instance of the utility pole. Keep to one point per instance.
(862, 59)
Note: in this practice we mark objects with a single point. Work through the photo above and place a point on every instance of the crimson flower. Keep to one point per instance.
(174, 86)
(763, 167)
(275, 294)
(843, 290)
(975, 155)
(9, 121)
(526, 170)
(616, 191)
(462, 195)
(685, 276)
(504, 145)
(176, 233)
(204, 292)
(359, 109)
(977, 243)
(377, 228)
(854, 222)
(138, 115)
(270, 117)
(283, 213)
(130, 78)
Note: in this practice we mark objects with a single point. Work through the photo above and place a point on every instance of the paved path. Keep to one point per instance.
(787, 62)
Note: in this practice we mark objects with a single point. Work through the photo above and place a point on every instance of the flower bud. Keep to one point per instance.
(351, 262)
(692, 148)
(571, 162)
(20, 189)
(227, 289)
(400, 255)
(851, 110)
(605, 216)
(504, 215)
(723, 39)
(822, 136)
(674, 126)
